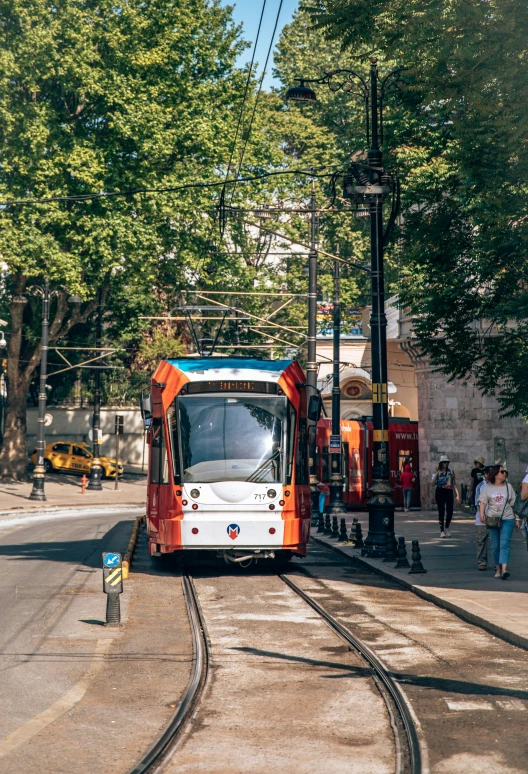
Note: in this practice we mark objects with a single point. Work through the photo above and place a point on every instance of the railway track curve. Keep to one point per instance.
(155, 757)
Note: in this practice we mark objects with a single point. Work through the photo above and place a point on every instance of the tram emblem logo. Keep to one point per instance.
(233, 531)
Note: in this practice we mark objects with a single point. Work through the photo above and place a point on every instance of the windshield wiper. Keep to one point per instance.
(262, 469)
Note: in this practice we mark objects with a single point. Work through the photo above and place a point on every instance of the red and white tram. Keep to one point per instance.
(228, 462)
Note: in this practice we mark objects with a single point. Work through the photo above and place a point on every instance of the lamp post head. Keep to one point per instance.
(301, 93)
(75, 300)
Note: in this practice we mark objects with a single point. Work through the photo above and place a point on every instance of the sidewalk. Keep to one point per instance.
(65, 491)
(453, 580)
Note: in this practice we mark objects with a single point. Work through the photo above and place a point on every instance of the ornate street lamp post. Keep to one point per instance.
(336, 507)
(370, 185)
(39, 474)
(96, 471)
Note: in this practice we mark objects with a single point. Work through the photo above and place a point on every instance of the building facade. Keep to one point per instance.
(454, 417)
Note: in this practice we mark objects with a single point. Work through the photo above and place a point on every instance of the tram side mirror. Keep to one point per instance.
(314, 408)
(146, 409)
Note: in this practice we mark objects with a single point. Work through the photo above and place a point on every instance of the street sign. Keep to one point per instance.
(112, 573)
(99, 433)
(119, 424)
(335, 444)
(48, 419)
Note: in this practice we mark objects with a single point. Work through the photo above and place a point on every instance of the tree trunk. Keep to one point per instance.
(13, 454)
(23, 358)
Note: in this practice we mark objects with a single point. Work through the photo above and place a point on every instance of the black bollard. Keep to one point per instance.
(113, 610)
(343, 535)
(390, 553)
(416, 566)
(321, 523)
(328, 525)
(402, 560)
(359, 536)
(353, 530)
(335, 528)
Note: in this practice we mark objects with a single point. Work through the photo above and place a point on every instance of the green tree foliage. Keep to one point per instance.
(94, 97)
(458, 135)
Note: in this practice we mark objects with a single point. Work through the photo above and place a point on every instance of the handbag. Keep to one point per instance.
(494, 522)
(520, 507)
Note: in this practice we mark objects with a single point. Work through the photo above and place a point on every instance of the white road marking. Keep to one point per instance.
(62, 705)
(464, 706)
(512, 704)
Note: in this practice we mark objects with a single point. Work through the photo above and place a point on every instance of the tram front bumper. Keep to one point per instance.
(240, 530)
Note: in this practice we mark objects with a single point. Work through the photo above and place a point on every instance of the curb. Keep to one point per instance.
(497, 631)
(129, 553)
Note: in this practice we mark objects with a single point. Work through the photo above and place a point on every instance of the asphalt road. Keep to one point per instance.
(50, 599)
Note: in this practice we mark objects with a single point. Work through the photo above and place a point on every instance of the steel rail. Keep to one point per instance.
(387, 682)
(193, 689)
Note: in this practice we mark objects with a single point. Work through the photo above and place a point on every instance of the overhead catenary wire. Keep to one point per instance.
(248, 135)
(166, 189)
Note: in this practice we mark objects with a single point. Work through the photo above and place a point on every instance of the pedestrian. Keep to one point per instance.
(481, 529)
(324, 489)
(444, 480)
(477, 475)
(407, 479)
(496, 501)
(524, 486)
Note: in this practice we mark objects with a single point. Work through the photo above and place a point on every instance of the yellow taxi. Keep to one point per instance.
(74, 458)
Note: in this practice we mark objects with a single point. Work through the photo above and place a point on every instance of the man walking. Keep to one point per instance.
(481, 529)
(477, 475)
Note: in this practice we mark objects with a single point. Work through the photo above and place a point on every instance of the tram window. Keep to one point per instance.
(159, 468)
(235, 438)
(302, 474)
(292, 416)
(174, 445)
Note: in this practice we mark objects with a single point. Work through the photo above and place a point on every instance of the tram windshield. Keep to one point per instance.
(232, 438)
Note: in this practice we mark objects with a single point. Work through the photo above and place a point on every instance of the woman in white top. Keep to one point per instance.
(524, 486)
(497, 499)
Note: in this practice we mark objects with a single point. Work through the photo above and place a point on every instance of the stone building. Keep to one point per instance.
(455, 418)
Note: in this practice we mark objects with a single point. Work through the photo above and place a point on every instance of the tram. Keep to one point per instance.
(356, 459)
(228, 458)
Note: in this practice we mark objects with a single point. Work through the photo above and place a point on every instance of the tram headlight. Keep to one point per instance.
(272, 493)
(195, 494)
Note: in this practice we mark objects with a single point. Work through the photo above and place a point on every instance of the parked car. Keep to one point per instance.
(74, 458)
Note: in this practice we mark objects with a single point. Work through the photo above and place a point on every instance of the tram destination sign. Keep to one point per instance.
(234, 385)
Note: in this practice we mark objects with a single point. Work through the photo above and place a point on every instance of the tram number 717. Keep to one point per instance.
(260, 497)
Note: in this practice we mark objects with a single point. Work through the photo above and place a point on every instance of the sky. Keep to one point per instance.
(247, 12)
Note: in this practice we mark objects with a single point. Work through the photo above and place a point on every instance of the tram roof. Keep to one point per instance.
(194, 364)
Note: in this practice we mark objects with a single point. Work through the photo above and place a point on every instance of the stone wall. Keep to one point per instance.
(457, 420)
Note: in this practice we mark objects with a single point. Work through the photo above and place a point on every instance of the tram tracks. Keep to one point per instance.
(408, 757)
(406, 738)
(155, 759)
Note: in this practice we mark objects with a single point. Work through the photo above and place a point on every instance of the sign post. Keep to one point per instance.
(118, 432)
(335, 444)
(112, 586)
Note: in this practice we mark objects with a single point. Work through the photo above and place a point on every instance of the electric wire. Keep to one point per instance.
(167, 189)
(270, 48)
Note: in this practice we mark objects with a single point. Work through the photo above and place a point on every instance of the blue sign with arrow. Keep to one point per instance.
(112, 560)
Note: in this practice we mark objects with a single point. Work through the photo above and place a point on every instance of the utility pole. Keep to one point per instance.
(96, 471)
(370, 187)
(39, 474)
(335, 507)
(311, 366)
(380, 506)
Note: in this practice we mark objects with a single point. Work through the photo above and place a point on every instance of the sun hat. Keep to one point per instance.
(481, 460)
(443, 458)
